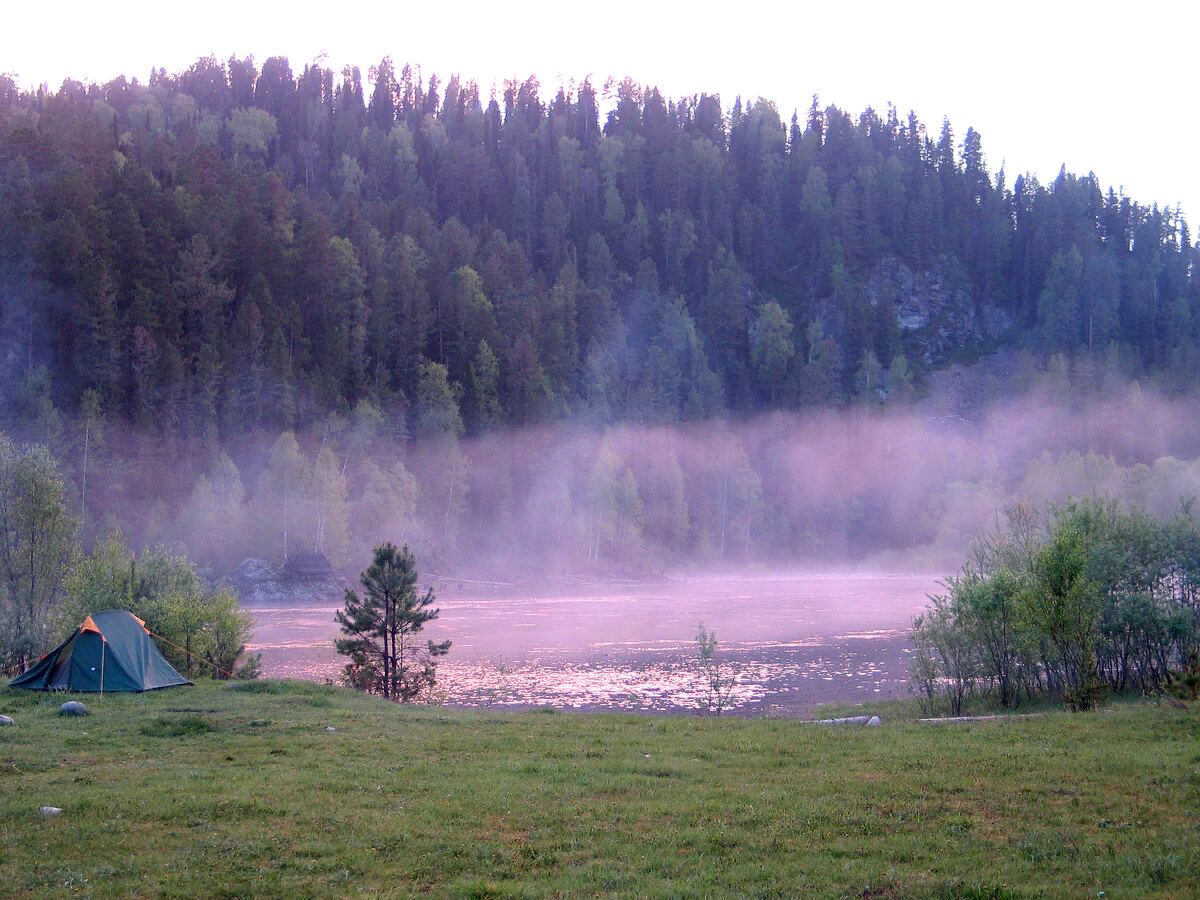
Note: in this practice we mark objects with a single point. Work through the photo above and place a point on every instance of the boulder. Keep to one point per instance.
(72, 708)
(258, 583)
(6, 720)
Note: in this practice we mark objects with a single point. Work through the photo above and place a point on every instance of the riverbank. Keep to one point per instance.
(285, 789)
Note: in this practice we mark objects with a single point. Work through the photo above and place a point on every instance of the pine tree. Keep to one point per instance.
(381, 630)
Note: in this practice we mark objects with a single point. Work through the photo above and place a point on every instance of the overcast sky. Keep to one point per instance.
(1098, 87)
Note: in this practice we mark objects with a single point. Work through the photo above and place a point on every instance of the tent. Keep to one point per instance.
(110, 651)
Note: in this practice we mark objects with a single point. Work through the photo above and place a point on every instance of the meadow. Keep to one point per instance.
(294, 789)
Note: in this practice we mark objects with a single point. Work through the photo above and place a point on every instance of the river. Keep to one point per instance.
(787, 642)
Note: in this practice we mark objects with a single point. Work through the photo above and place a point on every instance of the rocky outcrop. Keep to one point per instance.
(937, 316)
(258, 583)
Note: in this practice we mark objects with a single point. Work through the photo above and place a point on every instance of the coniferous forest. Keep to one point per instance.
(241, 299)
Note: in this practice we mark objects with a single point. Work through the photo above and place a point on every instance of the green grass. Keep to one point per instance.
(218, 792)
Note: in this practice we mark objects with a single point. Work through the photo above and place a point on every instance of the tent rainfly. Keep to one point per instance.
(110, 651)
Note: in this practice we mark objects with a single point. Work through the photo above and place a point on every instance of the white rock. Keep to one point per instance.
(6, 720)
(50, 810)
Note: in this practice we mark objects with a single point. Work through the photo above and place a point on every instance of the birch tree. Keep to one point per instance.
(37, 549)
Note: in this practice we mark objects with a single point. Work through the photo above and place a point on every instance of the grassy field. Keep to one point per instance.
(278, 789)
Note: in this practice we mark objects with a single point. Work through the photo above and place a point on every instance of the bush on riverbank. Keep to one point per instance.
(1095, 600)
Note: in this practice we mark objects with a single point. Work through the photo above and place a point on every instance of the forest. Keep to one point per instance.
(248, 308)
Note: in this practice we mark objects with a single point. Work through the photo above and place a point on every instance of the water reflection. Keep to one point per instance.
(789, 643)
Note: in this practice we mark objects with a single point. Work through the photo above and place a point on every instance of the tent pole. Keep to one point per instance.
(103, 644)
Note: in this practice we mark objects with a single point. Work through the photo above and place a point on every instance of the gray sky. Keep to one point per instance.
(1096, 86)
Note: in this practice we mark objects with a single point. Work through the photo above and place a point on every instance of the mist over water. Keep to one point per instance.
(606, 545)
(583, 614)
(790, 641)
(824, 489)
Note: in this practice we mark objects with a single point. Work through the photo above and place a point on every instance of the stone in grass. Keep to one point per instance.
(72, 708)
(50, 810)
(7, 720)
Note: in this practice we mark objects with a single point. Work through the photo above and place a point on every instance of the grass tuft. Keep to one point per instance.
(183, 726)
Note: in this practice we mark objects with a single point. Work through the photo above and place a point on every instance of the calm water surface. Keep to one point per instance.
(790, 643)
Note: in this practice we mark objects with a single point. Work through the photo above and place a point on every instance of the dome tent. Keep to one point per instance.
(110, 651)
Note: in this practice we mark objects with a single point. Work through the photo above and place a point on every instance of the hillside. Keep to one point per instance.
(235, 247)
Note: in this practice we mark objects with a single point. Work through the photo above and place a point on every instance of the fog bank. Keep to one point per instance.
(901, 489)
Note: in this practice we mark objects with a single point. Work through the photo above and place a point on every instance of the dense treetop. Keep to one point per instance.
(239, 246)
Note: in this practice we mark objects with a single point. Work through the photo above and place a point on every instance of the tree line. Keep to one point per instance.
(239, 247)
(48, 584)
(897, 488)
(1091, 599)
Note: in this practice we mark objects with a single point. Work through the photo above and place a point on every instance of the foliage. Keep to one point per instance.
(1099, 599)
(1063, 604)
(235, 247)
(37, 549)
(381, 630)
(771, 349)
(718, 683)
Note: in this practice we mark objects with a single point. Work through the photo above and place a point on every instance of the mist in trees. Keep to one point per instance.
(252, 310)
(48, 584)
(876, 485)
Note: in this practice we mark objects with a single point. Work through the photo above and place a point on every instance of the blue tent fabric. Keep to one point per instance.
(109, 651)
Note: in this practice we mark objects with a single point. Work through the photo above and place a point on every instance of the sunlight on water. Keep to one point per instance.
(787, 643)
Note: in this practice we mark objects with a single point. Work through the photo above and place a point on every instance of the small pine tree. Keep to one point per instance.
(381, 630)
